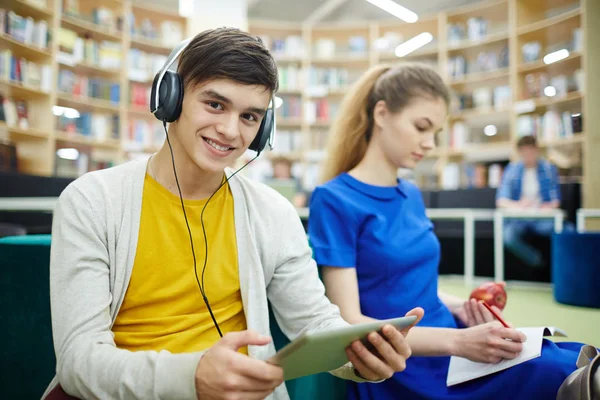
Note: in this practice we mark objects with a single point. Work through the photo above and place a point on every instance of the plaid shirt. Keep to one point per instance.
(512, 181)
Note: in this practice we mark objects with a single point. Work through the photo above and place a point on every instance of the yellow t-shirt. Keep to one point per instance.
(163, 308)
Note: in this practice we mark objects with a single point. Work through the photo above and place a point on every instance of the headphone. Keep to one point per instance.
(166, 99)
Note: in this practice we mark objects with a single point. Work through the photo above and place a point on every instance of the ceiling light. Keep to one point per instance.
(381, 44)
(68, 154)
(413, 44)
(556, 56)
(67, 112)
(550, 91)
(58, 110)
(396, 10)
(490, 130)
(71, 113)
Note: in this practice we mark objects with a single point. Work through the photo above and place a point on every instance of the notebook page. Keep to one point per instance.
(463, 370)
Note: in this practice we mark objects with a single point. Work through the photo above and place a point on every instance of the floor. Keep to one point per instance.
(536, 307)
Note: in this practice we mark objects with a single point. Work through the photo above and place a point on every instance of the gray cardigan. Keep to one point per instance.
(94, 240)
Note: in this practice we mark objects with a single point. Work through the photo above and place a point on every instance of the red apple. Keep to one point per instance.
(492, 293)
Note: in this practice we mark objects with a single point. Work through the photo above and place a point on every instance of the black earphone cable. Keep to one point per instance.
(200, 285)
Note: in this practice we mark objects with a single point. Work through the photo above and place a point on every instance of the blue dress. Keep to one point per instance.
(385, 234)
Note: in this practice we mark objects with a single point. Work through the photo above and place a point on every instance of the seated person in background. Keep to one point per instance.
(379, 255)
(531, 183)
(287, 184)
(144, 309)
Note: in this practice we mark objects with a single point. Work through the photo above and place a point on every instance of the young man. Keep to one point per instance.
(152, 260)
(531, 183)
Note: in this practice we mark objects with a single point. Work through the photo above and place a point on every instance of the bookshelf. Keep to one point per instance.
(82, 108)
(492, 55)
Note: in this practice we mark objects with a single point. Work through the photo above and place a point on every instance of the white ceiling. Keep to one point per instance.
(351, 10)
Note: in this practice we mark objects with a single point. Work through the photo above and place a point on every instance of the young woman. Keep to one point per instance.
(379, 255)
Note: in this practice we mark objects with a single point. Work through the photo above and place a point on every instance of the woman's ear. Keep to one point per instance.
(380, 113)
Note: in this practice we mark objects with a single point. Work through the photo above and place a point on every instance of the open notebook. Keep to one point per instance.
(463, 370)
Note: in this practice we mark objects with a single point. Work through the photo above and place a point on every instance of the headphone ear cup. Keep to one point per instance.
(264, 132)
(170, 97)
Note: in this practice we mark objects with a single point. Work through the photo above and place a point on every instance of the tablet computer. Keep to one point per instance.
(313, 353)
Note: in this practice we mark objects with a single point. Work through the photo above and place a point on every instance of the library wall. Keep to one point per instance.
(515, 68)
(75, 80)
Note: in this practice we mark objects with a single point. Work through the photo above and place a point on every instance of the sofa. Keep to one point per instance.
(26, 335)
(575, 268)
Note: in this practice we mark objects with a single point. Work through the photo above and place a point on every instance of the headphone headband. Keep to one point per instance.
(170, 60)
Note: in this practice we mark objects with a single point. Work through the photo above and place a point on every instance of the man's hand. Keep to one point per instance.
(392, 351)
(225, 374)
(487, 343)
(474, 313)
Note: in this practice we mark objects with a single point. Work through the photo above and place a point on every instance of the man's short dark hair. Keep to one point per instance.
(228, 53)
(527, 141)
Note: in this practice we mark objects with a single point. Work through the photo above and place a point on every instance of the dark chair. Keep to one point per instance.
(11, 230)
(22, 185)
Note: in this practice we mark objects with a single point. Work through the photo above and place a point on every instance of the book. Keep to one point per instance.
(463, 370)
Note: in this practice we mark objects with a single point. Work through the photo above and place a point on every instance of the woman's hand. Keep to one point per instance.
(474, 313)
(385, 354)
(488, 343)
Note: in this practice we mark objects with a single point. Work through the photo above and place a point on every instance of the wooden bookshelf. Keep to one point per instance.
(481, 77)
(83, 27)
(90, 69)
(576, 139)
(511, 24)
(24, 133)
(550, 23)
(572, 60)
(149, 46)
(22, 91)
(87, 103)
(140, 112)
(25, 50)
(470, 44)
(29, 8)
(38, 142)
(76, 138)
(478, 113)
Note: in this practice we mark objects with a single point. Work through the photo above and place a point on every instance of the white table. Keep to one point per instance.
(584, 213)
(303, 212)
(46, 204)
(468, 216)
(499, 216)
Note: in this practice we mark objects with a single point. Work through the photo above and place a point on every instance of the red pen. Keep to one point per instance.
(494, 314)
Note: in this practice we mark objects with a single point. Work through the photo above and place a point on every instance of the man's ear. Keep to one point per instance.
(380, 113)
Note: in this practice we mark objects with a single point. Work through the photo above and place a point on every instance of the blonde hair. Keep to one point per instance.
(397, 86)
